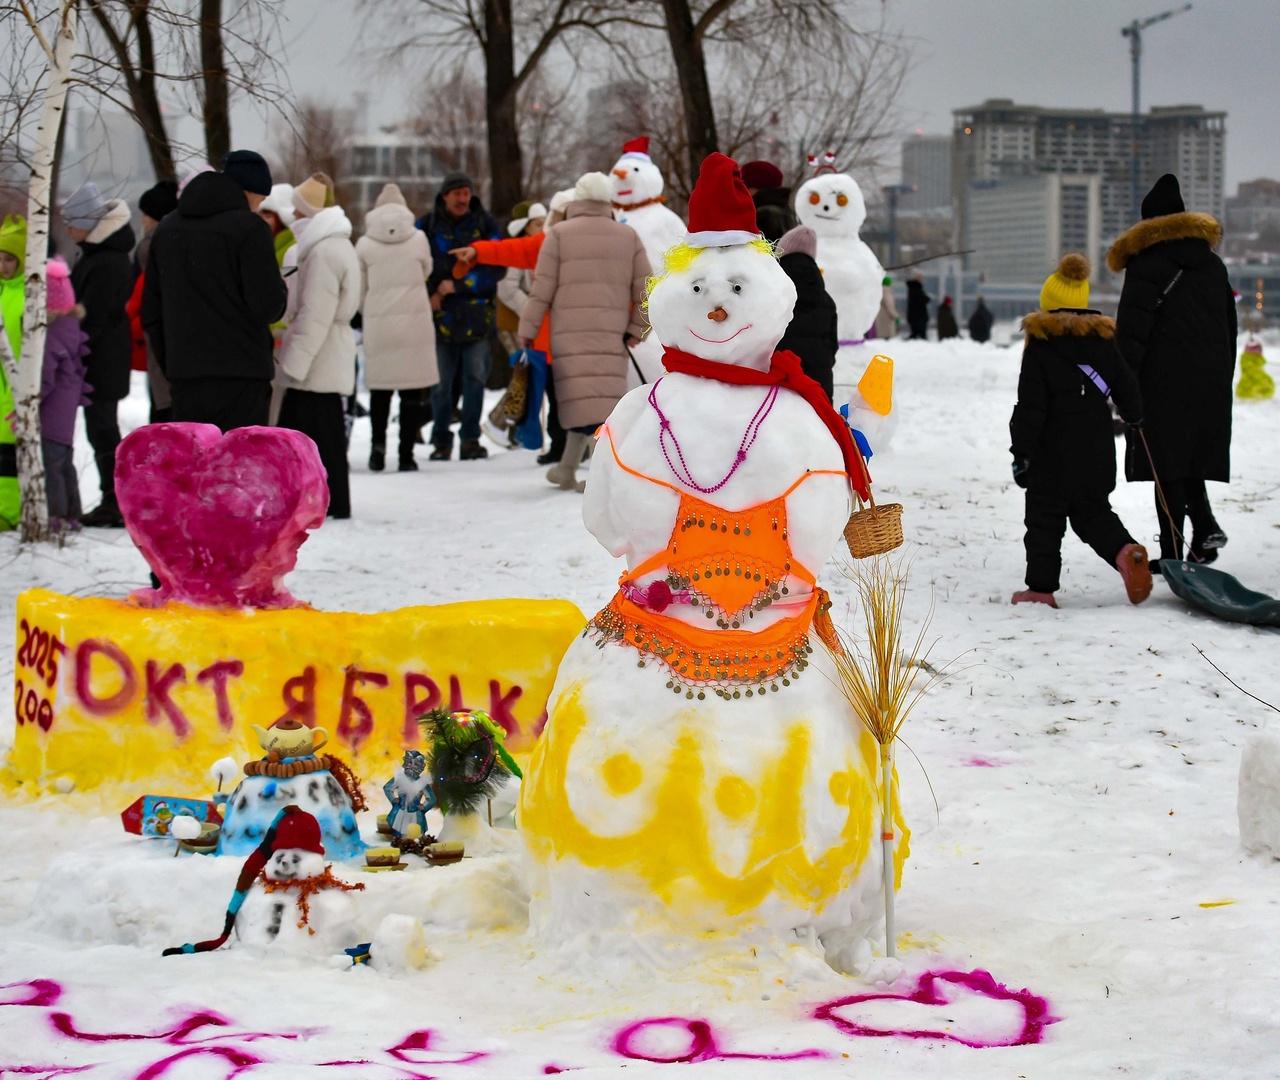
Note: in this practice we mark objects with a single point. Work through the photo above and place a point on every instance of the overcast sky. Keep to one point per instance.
(1069, 53)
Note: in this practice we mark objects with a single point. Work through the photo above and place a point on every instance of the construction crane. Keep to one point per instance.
(1134, 33)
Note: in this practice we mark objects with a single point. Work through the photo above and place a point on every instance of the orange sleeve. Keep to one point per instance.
(519, 252)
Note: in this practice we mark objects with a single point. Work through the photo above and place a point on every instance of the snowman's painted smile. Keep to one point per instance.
(622, 193)
(719, 341)
(828, 217)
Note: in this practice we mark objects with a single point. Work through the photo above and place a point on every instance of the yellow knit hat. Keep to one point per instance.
(1068, 286)
(13, 238)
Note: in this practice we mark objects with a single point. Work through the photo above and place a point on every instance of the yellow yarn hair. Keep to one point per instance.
(681, 256)
(1068, 286)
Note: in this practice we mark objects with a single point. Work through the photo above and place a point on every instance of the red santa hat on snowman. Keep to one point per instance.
(637, 148)
(721, 210)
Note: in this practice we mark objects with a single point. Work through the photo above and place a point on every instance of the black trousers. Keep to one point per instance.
(1092, 519)
(322, 417)
(102, 425)
(554, 431)
(228, 403)
(412, 413)
(1186, 498)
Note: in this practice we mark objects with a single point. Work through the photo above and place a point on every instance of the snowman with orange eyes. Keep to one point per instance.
(831, 204)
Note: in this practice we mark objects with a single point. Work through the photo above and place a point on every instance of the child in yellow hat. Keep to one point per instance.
(1064, 453)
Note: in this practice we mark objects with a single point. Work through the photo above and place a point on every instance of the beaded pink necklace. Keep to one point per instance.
(744, 446)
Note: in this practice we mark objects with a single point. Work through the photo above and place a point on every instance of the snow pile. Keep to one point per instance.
(1258, 803)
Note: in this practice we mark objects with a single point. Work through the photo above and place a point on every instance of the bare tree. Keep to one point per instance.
(213, 73)
(43, 38)
(316, 138)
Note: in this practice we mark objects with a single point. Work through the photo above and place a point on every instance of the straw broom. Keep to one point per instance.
(883, 682)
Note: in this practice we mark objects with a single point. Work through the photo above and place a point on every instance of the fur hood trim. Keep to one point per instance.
(1051, 324)
(117, 216)
(1158, 229)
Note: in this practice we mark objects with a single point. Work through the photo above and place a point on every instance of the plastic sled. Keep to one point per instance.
(1220, 594)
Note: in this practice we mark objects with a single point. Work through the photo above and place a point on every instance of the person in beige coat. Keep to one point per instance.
(590, 276)
(318, 354)
(399, 333)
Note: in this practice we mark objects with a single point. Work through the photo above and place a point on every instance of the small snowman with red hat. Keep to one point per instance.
(638, 201)
(286, 894)
(700, 771)
(831, 204)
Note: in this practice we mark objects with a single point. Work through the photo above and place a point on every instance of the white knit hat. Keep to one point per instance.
(593, 187)
(280, 203)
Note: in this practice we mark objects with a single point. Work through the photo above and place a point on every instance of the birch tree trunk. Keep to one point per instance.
(24, 374)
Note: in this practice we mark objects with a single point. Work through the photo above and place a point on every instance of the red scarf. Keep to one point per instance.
(785, 371)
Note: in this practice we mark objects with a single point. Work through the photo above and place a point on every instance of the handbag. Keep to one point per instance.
(514, 403)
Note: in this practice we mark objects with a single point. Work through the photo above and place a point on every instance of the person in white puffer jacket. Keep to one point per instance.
(399, 331)
(318, 354)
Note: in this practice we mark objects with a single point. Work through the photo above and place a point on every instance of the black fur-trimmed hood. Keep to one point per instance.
(1156, 230)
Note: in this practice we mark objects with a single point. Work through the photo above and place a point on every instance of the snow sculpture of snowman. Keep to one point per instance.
(831, 204)
(700, 770)
(638, 202)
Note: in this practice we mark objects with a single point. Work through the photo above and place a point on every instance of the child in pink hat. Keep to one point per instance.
(62, 391)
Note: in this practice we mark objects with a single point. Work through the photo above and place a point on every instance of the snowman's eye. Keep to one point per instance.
(842, 200)
(737, 288)
(814, 198)
(697, 288)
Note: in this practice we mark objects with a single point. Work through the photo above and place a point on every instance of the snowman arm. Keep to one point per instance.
(603, 517)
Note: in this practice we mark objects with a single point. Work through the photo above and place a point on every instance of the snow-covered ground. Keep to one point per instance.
(1084, 845)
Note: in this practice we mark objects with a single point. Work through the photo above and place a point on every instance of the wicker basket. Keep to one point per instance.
(873, 530)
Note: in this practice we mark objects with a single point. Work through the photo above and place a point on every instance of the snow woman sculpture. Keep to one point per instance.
(831, 204)
(700, 770)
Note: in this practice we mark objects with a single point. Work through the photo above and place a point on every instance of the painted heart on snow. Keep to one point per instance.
(968, 1007)
(220, 518)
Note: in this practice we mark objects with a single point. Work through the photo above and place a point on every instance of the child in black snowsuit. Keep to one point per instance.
(1063, 447)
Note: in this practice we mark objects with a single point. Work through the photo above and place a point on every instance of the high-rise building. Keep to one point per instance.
(999, 140)
(926, 167)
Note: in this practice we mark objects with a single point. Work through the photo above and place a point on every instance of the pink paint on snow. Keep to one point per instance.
(702, 1045)
(38, 993)
(984, 763)
(942, 989)
(219, 518)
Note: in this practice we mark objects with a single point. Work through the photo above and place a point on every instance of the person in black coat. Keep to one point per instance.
(917, 307)
(1064, 453)
(947, 327)
(774, 216)
(211, 292)
(812, 333)
(1176, 328)
(103, 281)
(980, 322)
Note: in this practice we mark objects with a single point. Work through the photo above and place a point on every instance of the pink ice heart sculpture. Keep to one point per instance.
(968, 1007)
(220, 518)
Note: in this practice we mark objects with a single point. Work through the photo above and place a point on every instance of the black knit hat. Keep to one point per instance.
(160, 200)
(1164, 198)
(454, 181)
(249, 169)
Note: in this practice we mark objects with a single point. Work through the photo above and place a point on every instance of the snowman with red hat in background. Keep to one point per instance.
(831, 204)
(638, 201)
(286, 894)
(700, 774)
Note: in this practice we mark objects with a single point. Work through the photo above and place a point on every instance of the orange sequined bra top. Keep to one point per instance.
(729, 566)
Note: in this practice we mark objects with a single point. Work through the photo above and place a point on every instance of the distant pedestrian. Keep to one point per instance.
(765, 183)
(62, 391)
(278, 212)
(812, 333)
(212, 291)
(399, 333)
(917, 307)
(1176, 328)
(155, 204)
(888, 322)
(464, 306)
(1064, 453)
(947, 327)
(103, 281)
(980, 322)
(590, 276)
(318, 353)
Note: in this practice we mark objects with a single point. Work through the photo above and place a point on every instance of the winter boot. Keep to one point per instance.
(472, 450)
(407, 464)
(1135, 570)
(1030, 596)
(564, 474)
(377, 457)
(106, 515)
(443, 451)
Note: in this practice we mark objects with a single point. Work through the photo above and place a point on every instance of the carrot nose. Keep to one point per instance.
(621, 174)
(717, 315)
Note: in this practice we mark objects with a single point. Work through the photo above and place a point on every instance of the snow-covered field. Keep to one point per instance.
(1084, 845)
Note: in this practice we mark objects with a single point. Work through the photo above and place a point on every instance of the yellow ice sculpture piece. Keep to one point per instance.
(876, 384)
(1255, 384)
(109, 694)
